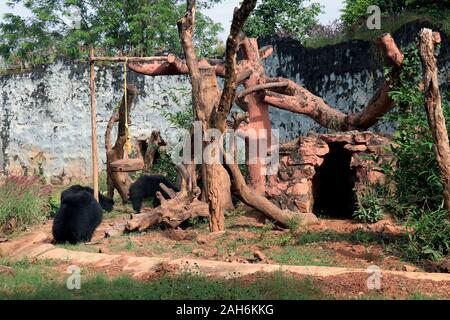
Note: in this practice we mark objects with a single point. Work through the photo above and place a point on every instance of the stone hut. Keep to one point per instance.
(323, 173)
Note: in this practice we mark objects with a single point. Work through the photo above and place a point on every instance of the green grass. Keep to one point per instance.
(301, 255)
(20, 199)
(38, 281)
(179, 249)
(355, 237)
(388, 24)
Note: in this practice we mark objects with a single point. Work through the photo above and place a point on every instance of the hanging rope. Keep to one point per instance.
(128, 145)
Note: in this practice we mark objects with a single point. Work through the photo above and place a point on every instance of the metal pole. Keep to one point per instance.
(93, 126)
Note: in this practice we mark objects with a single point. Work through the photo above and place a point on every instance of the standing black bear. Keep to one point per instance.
(147, 187)
(79, 215)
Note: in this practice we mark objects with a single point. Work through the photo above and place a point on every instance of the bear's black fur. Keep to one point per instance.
(146, 187)
(79, 214)
(77, 218)
(106, 203)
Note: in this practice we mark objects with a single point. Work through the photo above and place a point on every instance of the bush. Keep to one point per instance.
(20, 198)
(356, 10)
(418, 194)
(369, 208)
(415, 174)
(429, 235)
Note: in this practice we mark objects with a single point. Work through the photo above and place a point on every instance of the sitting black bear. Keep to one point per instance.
(106, 203)
(79, 215)
(147, 187)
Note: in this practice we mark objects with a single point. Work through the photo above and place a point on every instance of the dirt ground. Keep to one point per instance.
(249, 239)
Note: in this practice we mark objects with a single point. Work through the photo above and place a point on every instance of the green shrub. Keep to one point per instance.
(20, 198)
(356, 10)
(429, 235)
(164, 166)
(418, 194)
(415, 173)
(369, 208)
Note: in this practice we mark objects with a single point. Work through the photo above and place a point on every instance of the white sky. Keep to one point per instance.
(223, 12)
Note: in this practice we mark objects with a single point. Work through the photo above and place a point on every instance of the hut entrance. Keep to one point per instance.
(333, 184)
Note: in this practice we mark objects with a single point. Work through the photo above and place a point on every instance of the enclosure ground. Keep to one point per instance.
(328, 260)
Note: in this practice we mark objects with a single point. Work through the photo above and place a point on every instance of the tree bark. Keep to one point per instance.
(286, 94)
(433, 106)
(119, 181)
(211, 112)
(258, 111)
(153, 143)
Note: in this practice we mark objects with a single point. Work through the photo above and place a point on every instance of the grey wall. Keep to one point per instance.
(45, 114)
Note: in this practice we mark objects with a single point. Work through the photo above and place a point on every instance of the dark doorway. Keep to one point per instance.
(333, 184)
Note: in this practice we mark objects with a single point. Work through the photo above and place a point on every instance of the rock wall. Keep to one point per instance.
(322, 173)
(45, 113)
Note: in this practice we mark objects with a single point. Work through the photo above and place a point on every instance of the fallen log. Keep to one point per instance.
(181, 206)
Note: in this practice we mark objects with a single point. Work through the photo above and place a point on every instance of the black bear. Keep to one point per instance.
(106, 203)
(146, 187)
(79, 215)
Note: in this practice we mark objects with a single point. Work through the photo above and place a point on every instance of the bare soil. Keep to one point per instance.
(250, 240)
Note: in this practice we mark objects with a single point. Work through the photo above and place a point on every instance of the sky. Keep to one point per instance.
(223, 12)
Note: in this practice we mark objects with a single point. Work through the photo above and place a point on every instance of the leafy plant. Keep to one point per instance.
(69, 27)
(418, 194)
(429, 235)
(356, 10)
(369, 208)
(21, 200)
(53, 204)
(164, 166)
(415, 173)
(288, 17)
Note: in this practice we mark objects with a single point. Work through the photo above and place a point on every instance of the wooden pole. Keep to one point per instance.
(93, 126)
(433, 106)
(129, 59)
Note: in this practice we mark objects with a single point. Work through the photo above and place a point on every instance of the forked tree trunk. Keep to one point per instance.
(207, 109)
(433, 106)
(258, 111)
(119, 181)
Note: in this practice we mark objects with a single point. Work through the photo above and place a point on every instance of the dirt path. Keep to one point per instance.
(37, 246)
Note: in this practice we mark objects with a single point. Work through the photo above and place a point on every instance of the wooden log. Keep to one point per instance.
(127, 165)
(129, 59)
(93, 127)
(433, 106)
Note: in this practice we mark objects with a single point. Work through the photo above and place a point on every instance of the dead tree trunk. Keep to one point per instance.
(180, 207)
(257, 108)
(285, 94)
(120, 181)
(433, 106)
(153, 144)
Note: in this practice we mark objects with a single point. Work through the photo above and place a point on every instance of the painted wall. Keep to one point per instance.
(45, 114)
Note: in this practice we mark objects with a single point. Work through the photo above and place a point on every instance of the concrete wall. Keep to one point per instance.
(45, 114)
